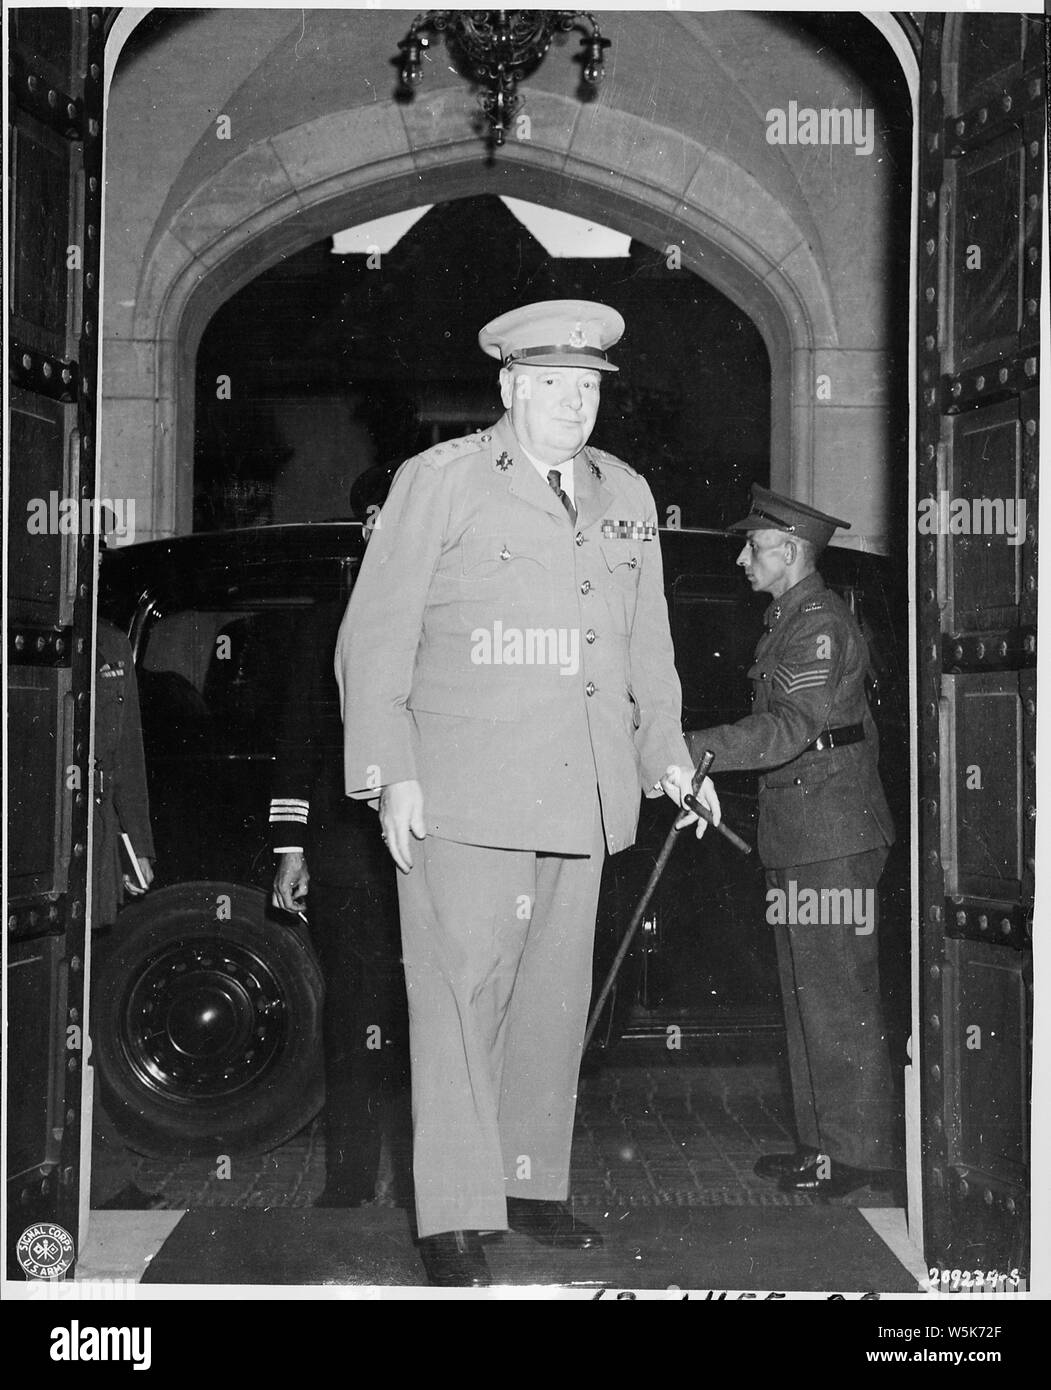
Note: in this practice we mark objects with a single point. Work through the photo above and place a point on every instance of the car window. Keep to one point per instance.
(715, 630)
(212, 681)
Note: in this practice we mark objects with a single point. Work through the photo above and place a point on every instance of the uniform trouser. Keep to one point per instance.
(844, 1092)
(364, 1026)
(497, 945)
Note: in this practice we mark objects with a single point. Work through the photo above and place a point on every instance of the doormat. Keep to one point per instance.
(825, 1249)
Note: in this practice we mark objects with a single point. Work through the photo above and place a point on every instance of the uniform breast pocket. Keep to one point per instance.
(622, 564)
(498, 557)
(623, 561)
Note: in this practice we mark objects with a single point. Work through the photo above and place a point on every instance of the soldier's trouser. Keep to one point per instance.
(845, 1095)
(497, 947)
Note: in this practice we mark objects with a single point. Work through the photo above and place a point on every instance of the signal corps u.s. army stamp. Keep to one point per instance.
(45, 1251)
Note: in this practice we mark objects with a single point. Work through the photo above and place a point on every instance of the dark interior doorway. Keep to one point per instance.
(328, 364)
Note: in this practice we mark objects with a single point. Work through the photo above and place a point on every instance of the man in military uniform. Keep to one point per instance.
(329, 860)
(824, 832)
(508, 690)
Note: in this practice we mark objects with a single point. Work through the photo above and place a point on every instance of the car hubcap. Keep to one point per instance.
(203, 1020)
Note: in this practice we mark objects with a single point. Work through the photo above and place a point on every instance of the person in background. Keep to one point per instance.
(331, 868)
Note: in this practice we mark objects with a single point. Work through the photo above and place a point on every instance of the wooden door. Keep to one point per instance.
(55, 156)
(980, 197)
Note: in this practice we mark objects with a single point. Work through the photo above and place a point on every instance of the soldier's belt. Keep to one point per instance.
(836, 738)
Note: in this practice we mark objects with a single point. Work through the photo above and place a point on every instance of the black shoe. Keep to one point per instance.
(551, 1223)
(783, 1165)
(826, 1177)
(132, 1198)
(455, 1259)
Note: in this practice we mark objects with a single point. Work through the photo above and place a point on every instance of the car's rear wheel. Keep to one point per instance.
(206, 1024)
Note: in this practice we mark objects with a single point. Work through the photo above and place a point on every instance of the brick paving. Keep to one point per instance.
(654, 1130)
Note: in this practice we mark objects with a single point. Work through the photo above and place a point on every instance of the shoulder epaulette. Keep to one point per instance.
(814, 606)
(451, 449)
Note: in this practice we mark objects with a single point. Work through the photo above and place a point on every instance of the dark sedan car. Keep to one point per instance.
(207, 1035)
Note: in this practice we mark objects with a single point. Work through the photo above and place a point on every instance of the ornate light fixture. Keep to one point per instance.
(497, 49)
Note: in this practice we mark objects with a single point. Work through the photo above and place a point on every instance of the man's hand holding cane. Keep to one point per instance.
(677, 783)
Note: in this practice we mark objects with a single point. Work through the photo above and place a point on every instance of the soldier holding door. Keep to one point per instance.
(824, 835)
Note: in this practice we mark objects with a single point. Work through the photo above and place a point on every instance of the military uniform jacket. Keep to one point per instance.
(506, 659)
(809, 676)
(121, 797)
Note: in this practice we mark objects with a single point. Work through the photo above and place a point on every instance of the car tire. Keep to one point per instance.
(206, 1024)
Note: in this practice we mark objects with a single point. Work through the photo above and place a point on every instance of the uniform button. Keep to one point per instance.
(585, 588)
(579, 538)
(589, 689)
(589, 636)
(634, 562)
(762, 675)
(798, 782)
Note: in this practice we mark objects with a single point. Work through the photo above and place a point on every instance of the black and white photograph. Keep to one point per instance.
(521, 719)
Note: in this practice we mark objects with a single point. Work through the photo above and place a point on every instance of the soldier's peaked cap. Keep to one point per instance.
(554, 333)
(770, 511)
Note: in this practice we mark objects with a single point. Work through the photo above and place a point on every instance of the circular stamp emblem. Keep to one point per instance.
(45, 1251)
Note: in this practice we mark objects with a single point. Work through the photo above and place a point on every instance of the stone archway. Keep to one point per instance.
(729, 230)
(658, 184)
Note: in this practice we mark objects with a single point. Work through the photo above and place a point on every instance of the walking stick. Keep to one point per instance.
(669, 844)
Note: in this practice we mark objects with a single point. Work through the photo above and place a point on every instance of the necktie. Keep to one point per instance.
(554, 477)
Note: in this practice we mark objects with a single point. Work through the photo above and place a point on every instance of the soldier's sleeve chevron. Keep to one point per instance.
(792, 679)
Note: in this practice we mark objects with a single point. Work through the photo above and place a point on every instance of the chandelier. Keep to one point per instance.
(497, 49)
